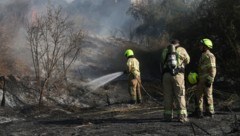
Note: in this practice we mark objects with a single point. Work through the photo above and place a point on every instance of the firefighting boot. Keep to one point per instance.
(183, 118)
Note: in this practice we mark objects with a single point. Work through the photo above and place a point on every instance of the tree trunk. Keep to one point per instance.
(40, 98)
(3, 99)
(40, 88)
(3, 89)
(43, 88)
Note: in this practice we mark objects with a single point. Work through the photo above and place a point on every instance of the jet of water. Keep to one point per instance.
(96, 83)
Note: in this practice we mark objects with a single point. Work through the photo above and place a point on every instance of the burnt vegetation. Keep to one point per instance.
(55, 43)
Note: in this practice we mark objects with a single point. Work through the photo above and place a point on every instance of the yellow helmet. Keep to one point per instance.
(192, 78)
(128, 53)
(207, 42)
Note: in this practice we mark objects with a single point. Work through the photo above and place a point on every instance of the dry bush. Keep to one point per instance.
(55, 45)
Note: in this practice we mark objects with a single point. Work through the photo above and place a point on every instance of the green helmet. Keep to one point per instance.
(207, 42)
(128, 53)
(192, 78)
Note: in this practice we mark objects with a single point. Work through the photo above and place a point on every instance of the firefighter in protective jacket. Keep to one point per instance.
(134, 79)
(206, 75)
(174, 60)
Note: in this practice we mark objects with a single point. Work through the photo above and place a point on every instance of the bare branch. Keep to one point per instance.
(52, 42)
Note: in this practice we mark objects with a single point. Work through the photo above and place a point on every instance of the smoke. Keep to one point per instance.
(12, 17)
(69, 1)
(98, 17)
(100, 56)
(2, 2)
(104, 18)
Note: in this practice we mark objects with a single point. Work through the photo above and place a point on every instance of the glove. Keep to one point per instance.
(208, 84)
(125, 72)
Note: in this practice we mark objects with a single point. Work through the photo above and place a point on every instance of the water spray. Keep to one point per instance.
(96, 83)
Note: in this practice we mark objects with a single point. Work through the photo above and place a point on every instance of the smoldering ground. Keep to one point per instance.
(105, 111)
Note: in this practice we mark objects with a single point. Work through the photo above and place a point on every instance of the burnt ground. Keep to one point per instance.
(114, 116)
(116, 119)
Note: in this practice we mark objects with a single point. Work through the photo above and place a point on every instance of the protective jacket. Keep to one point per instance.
(133, 66)
(134, 80)
(207, 72)
(207, 67)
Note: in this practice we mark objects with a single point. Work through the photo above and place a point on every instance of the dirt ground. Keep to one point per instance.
(115, 117)
(113, 120)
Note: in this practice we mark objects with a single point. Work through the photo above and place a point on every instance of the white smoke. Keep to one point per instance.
(103, 17)
(69, 1)
(4, 1)
(98, 17)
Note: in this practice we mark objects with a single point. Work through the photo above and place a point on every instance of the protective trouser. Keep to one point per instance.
(174, 87)
(201, 92)
(134, 87)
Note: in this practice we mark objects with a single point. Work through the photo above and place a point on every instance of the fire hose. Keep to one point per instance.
(155, 100)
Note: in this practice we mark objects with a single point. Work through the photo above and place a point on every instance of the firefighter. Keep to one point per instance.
(206, 75)
(134, 79)
(174, 60)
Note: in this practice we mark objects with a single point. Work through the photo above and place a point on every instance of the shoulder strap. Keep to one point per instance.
(165, 60)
